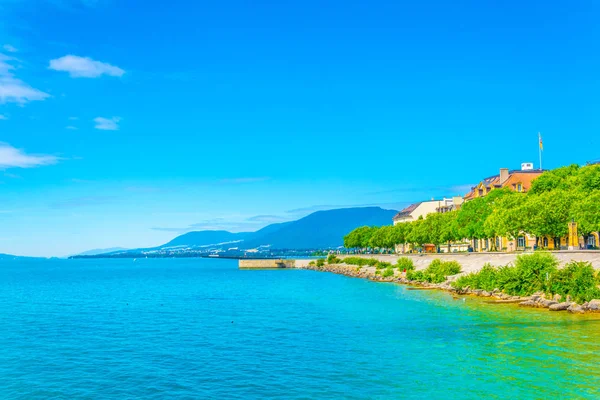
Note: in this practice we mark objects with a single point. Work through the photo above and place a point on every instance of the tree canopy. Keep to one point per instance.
(555, 198)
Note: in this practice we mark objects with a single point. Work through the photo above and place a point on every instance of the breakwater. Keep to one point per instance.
(266, 263)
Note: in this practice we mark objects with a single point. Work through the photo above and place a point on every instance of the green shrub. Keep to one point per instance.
(332, 259)
(360, 261)
(577, 279)
(405, 263)
(389, 271)
(371, 262)
(533, 273)
(413, 275)
(320, 262)
(486, 279)
(382, 265)
(436, 272)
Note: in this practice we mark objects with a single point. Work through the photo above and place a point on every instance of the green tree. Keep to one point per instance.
(586, 212)
(548, 213)
(560, 178)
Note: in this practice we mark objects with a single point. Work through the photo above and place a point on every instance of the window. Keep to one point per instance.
(519, 187)
(592, 241)
(545, 242)
(521, 241)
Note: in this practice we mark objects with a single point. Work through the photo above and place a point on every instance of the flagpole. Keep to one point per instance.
(540, 148)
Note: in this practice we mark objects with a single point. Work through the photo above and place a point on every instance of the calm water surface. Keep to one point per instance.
(203, 329)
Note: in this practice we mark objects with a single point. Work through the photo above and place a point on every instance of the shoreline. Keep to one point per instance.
(537, 300)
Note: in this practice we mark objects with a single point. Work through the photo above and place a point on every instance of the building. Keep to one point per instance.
(424, 208)
(517, 180)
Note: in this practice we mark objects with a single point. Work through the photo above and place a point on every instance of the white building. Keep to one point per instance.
(424, 208)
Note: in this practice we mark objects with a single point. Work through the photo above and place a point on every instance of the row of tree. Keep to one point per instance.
(555, 198)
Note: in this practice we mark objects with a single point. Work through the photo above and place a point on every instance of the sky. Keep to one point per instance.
(126, 123)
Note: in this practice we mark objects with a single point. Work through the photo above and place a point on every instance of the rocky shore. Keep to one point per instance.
(537, 300)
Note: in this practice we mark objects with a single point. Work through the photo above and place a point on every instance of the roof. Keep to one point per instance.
(406, 211)
(525, 177)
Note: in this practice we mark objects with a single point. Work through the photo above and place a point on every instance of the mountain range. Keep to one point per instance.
(319, 230)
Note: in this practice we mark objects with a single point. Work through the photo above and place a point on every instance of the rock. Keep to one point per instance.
(528, 303)
(546, 303)
(560, 306)
(485, 293)
(594, 305)
(575, 309)
(535, 297)
(557, 297)
(569, 298)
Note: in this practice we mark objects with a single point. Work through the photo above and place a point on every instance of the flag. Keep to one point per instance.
(541, 144)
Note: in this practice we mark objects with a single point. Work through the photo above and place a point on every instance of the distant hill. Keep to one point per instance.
(12, 257)
(320, 230)
(204, 238)
(101, 251)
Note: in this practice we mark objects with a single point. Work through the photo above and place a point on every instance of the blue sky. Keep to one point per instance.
(124, 123)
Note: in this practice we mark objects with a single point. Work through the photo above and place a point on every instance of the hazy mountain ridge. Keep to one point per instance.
(319, 230)
(322, 229)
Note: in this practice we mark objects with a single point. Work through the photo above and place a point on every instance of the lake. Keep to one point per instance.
(201, 328)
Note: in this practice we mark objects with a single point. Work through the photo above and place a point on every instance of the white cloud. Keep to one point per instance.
(71, 127)
(9, 48)
(84, 67)
(3, 117)
(107, 124)
(13, 90)
(73, 118)
(16, 158)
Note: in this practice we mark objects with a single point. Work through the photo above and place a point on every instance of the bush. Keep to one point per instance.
(533, 273)
(312, 264)
(413, 275)
(320, 262)
(360, 261)
(577, 279)
(383, 264)
(389, 271)
(405, 263)
(332, 259)
(438, 270)
(371, 262)
(486, 279)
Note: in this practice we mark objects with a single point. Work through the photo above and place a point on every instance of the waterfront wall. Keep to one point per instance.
(266, 264)
(472, 262)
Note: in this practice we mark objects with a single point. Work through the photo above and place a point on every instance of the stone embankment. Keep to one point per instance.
(473, 262)
(537, 300)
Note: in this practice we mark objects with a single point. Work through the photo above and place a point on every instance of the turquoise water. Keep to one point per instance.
(192, 328)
